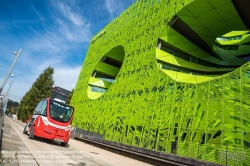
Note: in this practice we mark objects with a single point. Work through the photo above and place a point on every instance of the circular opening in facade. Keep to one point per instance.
(200, 45)
(105, 72)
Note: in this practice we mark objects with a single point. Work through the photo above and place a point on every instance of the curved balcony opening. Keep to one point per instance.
(105, 72)
(200, 45)
(233, 46)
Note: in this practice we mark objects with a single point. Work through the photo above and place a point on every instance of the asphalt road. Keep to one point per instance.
(46, 152)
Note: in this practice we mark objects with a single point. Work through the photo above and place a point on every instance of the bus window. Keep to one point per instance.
(37, 108)
(42, 110)
(60, 112)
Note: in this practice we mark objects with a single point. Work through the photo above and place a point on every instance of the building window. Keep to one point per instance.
(229, 38)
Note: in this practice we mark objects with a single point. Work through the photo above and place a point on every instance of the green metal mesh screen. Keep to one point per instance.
(146, 108)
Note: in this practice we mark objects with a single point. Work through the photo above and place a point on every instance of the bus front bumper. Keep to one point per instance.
(52, 133)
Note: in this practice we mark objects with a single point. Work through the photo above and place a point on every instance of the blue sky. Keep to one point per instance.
(51, 33)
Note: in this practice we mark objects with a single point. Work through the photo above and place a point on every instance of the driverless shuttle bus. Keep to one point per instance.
(51, 120)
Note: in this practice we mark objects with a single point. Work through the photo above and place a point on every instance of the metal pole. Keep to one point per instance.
(5, 106)
(7, 93)
(11, 68)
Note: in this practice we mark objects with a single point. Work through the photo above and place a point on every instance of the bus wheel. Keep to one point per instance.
(24, 130)
(64, 144)
(31, 135)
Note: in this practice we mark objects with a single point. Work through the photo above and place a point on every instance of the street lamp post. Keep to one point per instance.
(7, 94)
(11, 68)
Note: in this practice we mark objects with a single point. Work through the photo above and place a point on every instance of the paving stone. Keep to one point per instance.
(6, 135)
(31, 164)
(8, 140)
(8, 164)
(8, 155)
(13, 133)
(10, 161)
(14, 152)
(23, 150)
(18, 142)
(24, 156)
(4, 151)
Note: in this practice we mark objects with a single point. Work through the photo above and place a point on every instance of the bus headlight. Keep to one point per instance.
(45, 121)
(67, 128)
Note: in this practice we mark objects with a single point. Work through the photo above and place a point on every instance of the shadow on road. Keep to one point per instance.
(51, 142)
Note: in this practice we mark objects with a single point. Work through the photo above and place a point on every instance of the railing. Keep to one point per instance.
(207, 152)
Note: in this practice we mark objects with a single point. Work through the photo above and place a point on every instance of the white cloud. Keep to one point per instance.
(66, 77)
(20, 85)
(73, 17)
(50, 45)
(110, 6)
(40, 16)
(53, 61)
(74, 33)
(73, 25)
(59, 39)
(47, 41)
(114, 7)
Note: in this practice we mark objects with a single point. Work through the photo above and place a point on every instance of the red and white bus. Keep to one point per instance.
(51, 119)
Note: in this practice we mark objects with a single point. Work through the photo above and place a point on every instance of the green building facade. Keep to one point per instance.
(171, 76)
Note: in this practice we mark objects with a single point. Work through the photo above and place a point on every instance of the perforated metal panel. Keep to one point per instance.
(144, 107)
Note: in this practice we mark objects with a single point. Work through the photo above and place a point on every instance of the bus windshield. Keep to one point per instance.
(60, 112)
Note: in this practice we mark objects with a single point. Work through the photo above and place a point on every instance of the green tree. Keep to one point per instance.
(14, 110)
(40, 89)
(12, 103)
(69, 97)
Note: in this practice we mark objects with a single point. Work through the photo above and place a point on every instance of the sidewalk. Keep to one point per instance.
(13, 150)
